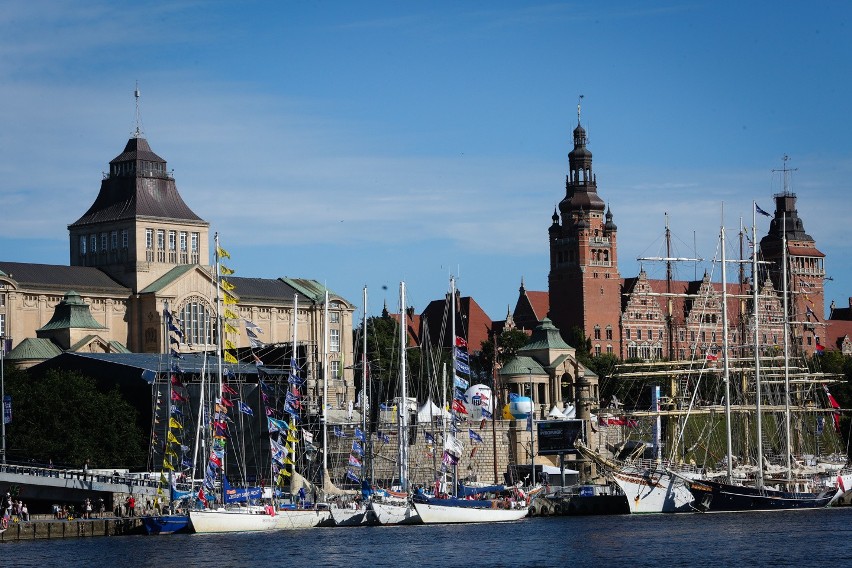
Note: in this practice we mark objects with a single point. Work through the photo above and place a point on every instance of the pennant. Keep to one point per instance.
(275, 425)
(230, 345)
(461, 355)
(174, 423)
(175, 354)
(458, 406)
(168, 466)
(226, 285)
(462, 367)
(231, 329)
(486, 414)
(761, 211)
(383, 437)
(832, 402)
(338, 431)
(290, 438)
(230, 315)
(265, 387)
(225, 402)
(229, 389)
(176, 381)
(222, 253)
(294, 380)
(459, 394)
(307, 436)
(215, 460)
(354, 462)
(245, 408)
(359, 434)
(230, 358)
(460, 382)
(820, 349)
(352, 477)
(474, 436)
(449, 459)
(357, 448)
(224, 270)
(228, 300)
(171, 438)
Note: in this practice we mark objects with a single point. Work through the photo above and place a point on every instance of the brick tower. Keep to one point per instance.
(584, 283)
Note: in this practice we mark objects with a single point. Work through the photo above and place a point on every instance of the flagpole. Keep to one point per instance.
(219, 322)
(325, 391)
(725, 352)
(786, 348)
(402, 409)
(757, 404)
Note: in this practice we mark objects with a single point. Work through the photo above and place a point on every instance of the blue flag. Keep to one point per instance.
(761, 211)
(245, 408)
(359, 434)
(474, 436)
(357, 448)
(352, 477)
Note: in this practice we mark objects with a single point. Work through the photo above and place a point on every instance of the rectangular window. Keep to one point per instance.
(113, 238)
(104, 242)
(194, 242)
(692, 336)
(125, 239)
(172, 240)
(94, 242)
(334, 340)
(660, 334)
(82, 245)
(183, 241)
(334, 317)
(597, 350)
(681, 334)
(597, 333)
(609, 348)
(627, 332)
(2, 300)
(3, 330)
(161, 239)
(638, 334)
(703, 337)
(609, 333)
(149, 239)
(334, 370)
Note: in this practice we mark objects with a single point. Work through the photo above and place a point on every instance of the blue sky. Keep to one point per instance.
(364, 143)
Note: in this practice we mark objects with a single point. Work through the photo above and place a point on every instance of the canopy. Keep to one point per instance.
(430, 411)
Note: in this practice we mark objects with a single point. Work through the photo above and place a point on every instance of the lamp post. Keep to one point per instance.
(531, 424)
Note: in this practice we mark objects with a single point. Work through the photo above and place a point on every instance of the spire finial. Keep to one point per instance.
(579, 101)
(137, 133)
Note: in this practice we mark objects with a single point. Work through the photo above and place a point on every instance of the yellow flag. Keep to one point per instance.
(291, 439)
(230, 315)
(228, 300)
(288, 461)
(222, 253)
(229, 344)
(230, 358)
(230, 329)
(174, 423)
(283, 473)
(159, 490)
(227, 285)
(224, 270)
(171, 452)
(168, 466)
(163, 478)
(171, 438)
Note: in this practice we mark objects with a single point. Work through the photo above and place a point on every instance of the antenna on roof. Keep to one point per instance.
(138, 131)
(579, 101)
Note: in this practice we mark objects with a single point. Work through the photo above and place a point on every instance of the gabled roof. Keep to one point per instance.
(540, 302)
(168, 278)
(62, 278)
(310, 289)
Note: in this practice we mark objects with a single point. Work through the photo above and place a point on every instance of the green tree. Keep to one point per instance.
(508, 343)
(62, 416)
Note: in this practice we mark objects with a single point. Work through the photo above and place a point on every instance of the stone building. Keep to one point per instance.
(138, 250)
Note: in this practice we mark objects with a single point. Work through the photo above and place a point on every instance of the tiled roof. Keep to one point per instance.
(71, 313)
(63, 278)
(167, 278)
(540, 302)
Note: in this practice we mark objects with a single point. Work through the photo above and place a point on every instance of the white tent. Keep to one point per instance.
(430, 411)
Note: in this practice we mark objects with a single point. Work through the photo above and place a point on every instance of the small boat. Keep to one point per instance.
(435, 511)
(166, 524)
(233, 520)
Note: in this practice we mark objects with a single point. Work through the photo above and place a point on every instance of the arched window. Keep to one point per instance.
(197, 321)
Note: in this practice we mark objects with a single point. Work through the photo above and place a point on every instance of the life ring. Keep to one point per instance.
(5, 523)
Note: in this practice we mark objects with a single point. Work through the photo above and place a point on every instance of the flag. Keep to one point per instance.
(229, 389)
(222, 253)
(224, 270)
(275, 425)
(215, 460)
(712, 357)
(449, 459)
(474, 436)
(307, 436)
(230, 344)
(227, 285)
(225, 402)
(459, 394)
(458, 406)
(230, 358)
(460, 382)
(352, 477)
(453, 445)
(820, 349)
(486, 414)
(430, 439)
(175, 410)
(230, 315)
(171, 438)
(228, 299)
(201, 496)
(810, 312)
(460, 342)
(174, 423)
(177, 397)
(832, 402)
(461, 355)
(338, 431)
(175, 380)
(295, 380)
(359, 434)
(230, 329)
(462, 367)
(357, 448)
(354, 462)
(761, 211)
(245, 408)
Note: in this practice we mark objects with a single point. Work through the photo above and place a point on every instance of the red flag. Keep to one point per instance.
(460, 342)
(458, 406)
(176, 396)
(227, 388)
(832, 402)
(201, 496)
(227, 402)
(473, 451)
(176, 381)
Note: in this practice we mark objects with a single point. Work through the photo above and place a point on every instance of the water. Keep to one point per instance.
(798, 538)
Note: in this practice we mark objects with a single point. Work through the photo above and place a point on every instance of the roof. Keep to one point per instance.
(192, 363)
(71, 313)
(62, 278)
(522, 365)
(835, 331)
(310, 289)
(545, 336)
(168, 278)
(137, 194)
(680, 304)
(34, 348)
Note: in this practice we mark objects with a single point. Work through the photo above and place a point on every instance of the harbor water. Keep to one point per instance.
(797, 538)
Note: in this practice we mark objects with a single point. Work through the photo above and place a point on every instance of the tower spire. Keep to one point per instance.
(137, 132)
(579, 101)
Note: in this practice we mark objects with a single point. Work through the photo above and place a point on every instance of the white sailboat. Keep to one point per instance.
(390, 508)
